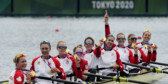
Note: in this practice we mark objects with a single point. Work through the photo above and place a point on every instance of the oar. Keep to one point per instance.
(159, 63)
(102, 68)
(58, 80)
(153, 69)
(3, 82)
(121, 79)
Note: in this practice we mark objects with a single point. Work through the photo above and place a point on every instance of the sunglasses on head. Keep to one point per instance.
(88, 43)
(79, 52)
(120, 38)
(20, 55)
(62, 47)
(134, 38)
(45, 41)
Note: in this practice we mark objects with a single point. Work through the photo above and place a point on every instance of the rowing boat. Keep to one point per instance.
(147, 77)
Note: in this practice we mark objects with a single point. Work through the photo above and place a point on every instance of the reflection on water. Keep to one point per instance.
(24, 34)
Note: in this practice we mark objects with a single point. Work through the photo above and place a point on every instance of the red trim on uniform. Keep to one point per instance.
(153, 56)
(118, 61)
(32, 65)
(78, 73)
(107, 31)
(138, 43)
(18, 74)
(57, 65)
(132, 59)
(144, 57)
(97, 51)
(84, 65)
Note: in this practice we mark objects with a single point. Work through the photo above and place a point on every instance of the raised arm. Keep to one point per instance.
(107, 28)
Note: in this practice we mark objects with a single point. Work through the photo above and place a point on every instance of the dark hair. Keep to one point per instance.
(45, 42)
(130, 35)
(89, 38)
(78, 46)
(110, 35)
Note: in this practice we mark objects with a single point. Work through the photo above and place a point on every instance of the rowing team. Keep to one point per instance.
(64, 65)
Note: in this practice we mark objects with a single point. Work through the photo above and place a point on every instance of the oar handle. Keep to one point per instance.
(121, 79)
(134, 81)
(58, 80)
(101, 68)
(159, 63)
(1, 82)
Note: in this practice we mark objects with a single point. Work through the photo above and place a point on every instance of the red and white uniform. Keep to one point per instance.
(69, 65)
(108, 59)
(84, 65)
(145, 50)
(43, 66)
(92, 59)
(141, 55)
(126, 55)
(17, 77)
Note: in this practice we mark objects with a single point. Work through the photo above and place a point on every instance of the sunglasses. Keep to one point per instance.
(45, 41)
(79, 52)
(62, 47)
(120, 38)
(110, 35)
(44, 48)
(88, 43)
(134, 38)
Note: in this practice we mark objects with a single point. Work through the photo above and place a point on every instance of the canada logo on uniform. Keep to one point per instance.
(38, 62)
(67, 61)
(11, 77)
(112, 54)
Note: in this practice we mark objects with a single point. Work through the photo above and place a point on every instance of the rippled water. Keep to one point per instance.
(24, 34)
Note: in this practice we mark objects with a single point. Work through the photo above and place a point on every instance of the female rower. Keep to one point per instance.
(132, 39)
(107, 28)
(78, 55)
(108, 57)
(68, 62)
(126, 55)
(20, 75)
(46, 65)
(89, 54)
(143, 45)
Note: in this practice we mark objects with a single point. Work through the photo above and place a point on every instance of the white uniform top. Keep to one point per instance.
(139, 54)
(66, 64)
(124, 54)
(93, 61)
(144, 49)
(107, 59)
(17, 77)
(42, 69)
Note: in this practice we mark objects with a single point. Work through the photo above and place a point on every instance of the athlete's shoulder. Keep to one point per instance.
(36, 58)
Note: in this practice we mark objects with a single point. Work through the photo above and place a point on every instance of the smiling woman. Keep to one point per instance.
(20, 75)
(45, 65)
